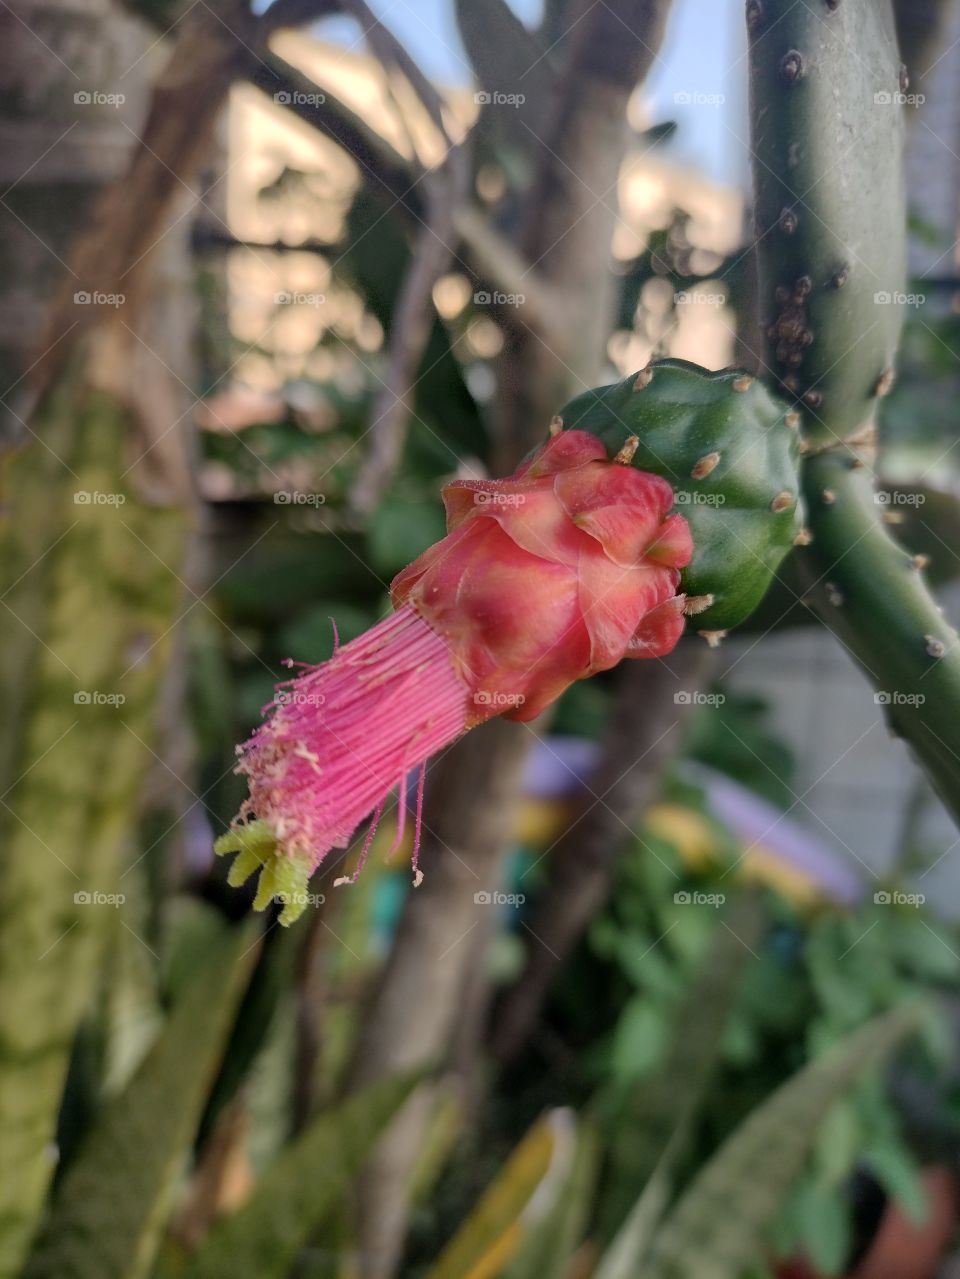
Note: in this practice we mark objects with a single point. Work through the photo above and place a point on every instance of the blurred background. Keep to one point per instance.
(678, 994)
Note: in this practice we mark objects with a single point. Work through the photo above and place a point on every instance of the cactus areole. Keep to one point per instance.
(561, 570)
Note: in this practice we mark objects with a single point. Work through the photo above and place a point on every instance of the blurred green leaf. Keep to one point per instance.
(721, 1222)
(299, 1189)
(401, 529)
(106, 1219)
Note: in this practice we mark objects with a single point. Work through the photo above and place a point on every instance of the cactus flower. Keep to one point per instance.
(546, 577)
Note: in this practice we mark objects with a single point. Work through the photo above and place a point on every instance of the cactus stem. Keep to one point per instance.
(556, 425)
(704, 466)
(626, 454)
(713, 638)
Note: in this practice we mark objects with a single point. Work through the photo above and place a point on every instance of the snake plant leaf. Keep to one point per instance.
(107, 1215)
(514, 1204)
(261, 1239)
(729, 449)
(721, 1222)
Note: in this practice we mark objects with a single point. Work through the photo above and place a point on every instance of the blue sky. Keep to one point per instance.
(700, 57)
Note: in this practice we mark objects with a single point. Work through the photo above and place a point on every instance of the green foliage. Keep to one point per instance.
(299, 1190)
(110, 1208)
(720, 1224)
(723, 442)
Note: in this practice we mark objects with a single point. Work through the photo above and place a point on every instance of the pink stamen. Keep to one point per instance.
(337, 736)
(362, 859)
(417, 827)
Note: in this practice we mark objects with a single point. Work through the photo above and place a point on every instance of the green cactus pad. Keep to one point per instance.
(726, 446)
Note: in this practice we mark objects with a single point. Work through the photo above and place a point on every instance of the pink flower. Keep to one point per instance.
(559, 571)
